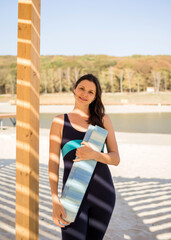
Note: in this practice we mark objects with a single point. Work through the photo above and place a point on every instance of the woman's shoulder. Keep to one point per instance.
(58, 118)
(57, 123)
(106, 118)
(107, 121)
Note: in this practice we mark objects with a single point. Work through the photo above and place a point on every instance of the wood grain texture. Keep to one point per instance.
(27, 128)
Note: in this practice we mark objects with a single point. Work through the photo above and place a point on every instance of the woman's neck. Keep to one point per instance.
(84, 111)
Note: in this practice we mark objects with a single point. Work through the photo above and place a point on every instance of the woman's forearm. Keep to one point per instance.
(53, 179)
(111, 158)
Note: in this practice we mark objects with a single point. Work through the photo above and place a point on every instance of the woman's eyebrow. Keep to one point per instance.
(89, 89)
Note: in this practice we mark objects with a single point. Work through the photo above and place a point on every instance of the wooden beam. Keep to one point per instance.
(27, 128)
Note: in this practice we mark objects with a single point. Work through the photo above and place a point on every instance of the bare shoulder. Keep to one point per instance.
(57, 124)
(58, 120)
(107, 121)
(106, 118)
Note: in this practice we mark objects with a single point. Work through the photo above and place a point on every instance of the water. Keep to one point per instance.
(142, 122)
(125, 122)
(129, 122)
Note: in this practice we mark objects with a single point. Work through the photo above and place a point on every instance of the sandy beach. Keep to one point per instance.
(142, 182)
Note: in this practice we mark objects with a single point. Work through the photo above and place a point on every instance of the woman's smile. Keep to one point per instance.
(83, 99)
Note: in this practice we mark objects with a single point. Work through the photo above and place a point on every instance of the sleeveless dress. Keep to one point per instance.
(99, 200)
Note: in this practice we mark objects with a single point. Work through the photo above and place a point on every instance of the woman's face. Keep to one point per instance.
(85, 92)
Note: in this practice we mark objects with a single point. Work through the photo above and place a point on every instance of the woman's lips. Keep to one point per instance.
(83, 99)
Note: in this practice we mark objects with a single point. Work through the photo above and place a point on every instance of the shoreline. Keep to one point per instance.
(132, 108)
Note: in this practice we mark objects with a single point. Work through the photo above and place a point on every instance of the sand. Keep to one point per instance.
(142, 182)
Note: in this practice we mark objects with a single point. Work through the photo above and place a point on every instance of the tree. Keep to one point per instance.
(158, 76)
(45, 79)
(139, 82)
(9, 87)
(111, 78)
(129, 74)
(121, 79)
(51, 79)
(157, 79)
(76, 73)
(165, 77)
(69, 78)
(154, 80)
(60, 79)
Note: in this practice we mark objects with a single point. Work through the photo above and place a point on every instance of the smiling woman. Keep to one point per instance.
(95, 211)
(87, 89)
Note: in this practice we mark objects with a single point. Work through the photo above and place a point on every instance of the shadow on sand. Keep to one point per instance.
(142, 211)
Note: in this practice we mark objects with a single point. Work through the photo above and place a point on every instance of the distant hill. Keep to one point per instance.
(116, 74)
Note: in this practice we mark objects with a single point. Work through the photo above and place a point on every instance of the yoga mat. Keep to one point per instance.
(81, 173)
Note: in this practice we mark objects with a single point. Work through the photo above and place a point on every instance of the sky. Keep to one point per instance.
(110, 27)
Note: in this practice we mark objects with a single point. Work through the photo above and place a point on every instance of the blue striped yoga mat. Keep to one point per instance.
(81, 173)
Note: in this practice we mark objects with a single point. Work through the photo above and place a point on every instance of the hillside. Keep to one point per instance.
(116, 74)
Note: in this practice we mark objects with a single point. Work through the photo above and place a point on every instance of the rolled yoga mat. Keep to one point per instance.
(81, 173)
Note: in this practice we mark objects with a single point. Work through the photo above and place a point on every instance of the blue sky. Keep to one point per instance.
(77, 27)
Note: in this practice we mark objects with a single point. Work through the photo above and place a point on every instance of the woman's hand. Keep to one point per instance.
(59, 214)
(84, 152)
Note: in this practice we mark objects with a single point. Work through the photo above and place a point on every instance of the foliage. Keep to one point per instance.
(58, 73)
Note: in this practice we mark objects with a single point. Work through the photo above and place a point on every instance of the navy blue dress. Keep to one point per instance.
(98, 203)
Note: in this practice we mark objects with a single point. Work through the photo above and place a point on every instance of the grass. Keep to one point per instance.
(163, 98)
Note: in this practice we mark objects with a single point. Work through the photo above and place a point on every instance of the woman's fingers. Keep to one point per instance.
(61, 221)
(84, 143)
(77, 160)
(59, 215)
(63, 215)
(57, 222)
(64, 222)
(63, 212)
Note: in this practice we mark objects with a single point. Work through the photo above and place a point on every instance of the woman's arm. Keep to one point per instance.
(55, 139)
(112, 157)
(54, 155)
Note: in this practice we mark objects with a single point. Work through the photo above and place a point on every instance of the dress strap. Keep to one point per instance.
(66, 118)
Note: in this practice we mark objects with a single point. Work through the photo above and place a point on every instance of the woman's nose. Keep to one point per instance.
(85, 94)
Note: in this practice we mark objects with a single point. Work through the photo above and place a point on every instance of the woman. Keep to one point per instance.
(98, 203)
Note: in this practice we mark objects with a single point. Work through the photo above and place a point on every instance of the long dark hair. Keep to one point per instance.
(96, 108)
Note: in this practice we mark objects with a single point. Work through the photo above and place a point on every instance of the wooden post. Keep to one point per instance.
(27, 129)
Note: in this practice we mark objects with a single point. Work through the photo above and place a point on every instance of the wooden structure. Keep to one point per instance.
(27, 128)
(11, 116)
